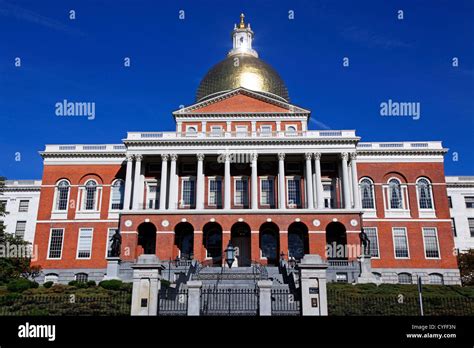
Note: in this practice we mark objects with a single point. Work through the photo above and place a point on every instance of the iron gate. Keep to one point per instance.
(232, 302)
(172, 301)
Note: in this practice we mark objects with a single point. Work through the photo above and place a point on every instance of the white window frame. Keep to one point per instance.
(82, 197)
(49, 244)
(426, 212)
(78, 243)
(22, 209)
(378, 240)
(51, 275)
(394, 244)
(149, 184)
(372, 188)
(193, 133)
(245, 200)
(266, 133)
(437, 243)
(24, 230)
(209, 179)
(272, 179)
(214, 133)
(241, 133)
(405, 200)
(291, 133)
(181, 201)
(298, 178)
(56, 211)
(111, 195)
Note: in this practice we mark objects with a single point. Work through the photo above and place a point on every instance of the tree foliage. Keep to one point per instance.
(466, 267)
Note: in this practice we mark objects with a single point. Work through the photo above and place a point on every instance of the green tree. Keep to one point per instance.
(466, 267)
(13, 263)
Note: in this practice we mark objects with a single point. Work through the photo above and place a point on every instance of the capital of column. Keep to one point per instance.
(138, 158)
(308, 155)
(254, 156)
(174, 157)
(344, 156)
(317, 155)
(281, 156)
(200, 156)
(130, 158)
(165, 157)
(353, 156)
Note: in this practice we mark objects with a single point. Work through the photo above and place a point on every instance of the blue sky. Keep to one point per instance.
(407, 60)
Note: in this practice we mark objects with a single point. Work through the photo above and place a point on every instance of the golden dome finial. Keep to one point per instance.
(242, 23)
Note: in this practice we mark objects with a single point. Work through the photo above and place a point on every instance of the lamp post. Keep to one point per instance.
(229, 254)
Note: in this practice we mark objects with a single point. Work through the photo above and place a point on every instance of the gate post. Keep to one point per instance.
(146, 285)
(265, 298)
(313, 285)
(194, 297)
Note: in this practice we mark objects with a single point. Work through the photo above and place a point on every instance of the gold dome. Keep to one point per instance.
(242, 70)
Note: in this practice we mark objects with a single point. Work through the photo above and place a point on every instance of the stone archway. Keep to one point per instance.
(240, 237)
(298, 240)
(212, 241)
(184, 240)
(336, 241)
(270, 243)
(147, 237)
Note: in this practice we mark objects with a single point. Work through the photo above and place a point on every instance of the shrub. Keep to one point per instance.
(47, 285)
(20, 285)
(113, 284)
(91, 283)
(72, 283)
(79, 285)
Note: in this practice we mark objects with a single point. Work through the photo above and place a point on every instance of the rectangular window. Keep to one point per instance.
(471, 226)
(374, 240)
(23, 207)
(110, 233)
(216, 131)
(153, 196)
(294, 192)
(266, 191)
(3, 205)
(450, 201)
(241, 192)
(188, 194)
(55, 243)
(469, 202)
(430, 238)
(84, 245)
(453, 227)
(215, 192)
(241, 131)
(266, 130)
(400, 242)
(20, 229)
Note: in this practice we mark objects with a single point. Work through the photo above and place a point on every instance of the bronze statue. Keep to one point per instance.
(365, 242)
(116, 244)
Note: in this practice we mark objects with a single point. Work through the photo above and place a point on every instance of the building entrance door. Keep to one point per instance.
(240, 239)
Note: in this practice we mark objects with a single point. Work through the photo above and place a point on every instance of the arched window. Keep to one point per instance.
(425, 200)
(436, 278)
(117, 195)
(395, 192)
(405, 278)
(377, 275)
(81, 277)
(90, 195)
(367, 193)
(51, 277)
(62, 195)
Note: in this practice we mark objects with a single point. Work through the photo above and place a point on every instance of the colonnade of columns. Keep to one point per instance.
(169, 186)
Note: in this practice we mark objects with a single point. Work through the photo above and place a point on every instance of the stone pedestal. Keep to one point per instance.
(146, 284)
(366, 275)
(313, 285)
(194, 297)
(265, 298)
(113, 268)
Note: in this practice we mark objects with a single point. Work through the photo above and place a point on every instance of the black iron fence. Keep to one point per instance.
(285, 302)
(118, 304)
(234, 302)
(340, 303)
(172, 301)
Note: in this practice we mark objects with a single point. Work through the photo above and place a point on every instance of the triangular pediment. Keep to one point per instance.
(240, 100)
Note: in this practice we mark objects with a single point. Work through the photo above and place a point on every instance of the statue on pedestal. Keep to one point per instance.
(116, 244)
(365, 241)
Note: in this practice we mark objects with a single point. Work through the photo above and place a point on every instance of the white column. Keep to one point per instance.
(136, 182)
(227, 193)
(355, 181)
(254, 128)
(128, 183)
(200, 182)
(164, 181)
(254, 182)
(173, 189)
(309, 182)
(281, 181)
(346, 194)
(319, 183)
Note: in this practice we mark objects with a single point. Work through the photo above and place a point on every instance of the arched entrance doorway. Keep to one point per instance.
(240, 238)
(336, 241)
(298, 240)
(147, 237)
(270, 242)
(212, 241)
(184, 240)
